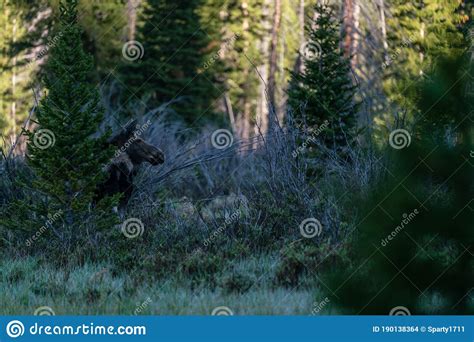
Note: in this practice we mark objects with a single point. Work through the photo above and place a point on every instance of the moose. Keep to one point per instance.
(131, 152)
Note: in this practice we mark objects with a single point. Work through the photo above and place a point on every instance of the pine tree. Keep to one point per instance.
(414, 244)
(323, 91)
(66, 160)
(178, 61)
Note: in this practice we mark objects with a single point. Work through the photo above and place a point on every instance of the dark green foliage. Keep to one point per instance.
(416, 241)
(308, 257)
(419, 31)
(324, 90)
(178, 62)
(237, 283)
(17, 39)
(66, 160)
(290, 268)
(103, 23)
(244, 25)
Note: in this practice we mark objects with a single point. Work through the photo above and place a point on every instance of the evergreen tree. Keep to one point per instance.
(15, 93)
(66, 160)
(418, 32)
(414, 247)
(323, 91)
(103, 23)
(177, 60)
(103, 31)
(241, 22)
(5, 67)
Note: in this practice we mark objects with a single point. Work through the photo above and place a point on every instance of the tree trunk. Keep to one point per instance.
(299, 65)
(230, 112)
(347, 27)
(273, 64)
(246, 117)
(351, 30)
(383, 28)
(246, 122)
(422, 56)
(14, 76)
(262, 117)
(132, 18)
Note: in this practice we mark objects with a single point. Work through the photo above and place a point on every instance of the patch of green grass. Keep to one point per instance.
(244, 285)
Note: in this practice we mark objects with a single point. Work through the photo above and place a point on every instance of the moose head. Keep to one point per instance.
(131, 151)
(128, 141)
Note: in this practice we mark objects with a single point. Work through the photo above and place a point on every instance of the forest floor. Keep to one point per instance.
(26, 285)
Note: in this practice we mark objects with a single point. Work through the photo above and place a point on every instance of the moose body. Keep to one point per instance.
(131, 152)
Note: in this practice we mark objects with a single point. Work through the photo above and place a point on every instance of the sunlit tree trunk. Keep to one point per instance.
(132, 18)
(230, 111)
(351, 15)
(273, 63)
(422, 56)
(299, 65)
(262, 118)
(383, 27)
(14, 76)
(246, 119)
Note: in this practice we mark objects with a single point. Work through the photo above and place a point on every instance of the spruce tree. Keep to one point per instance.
(178, 61)
(414, 243)
(66, 160)
(323, 91)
